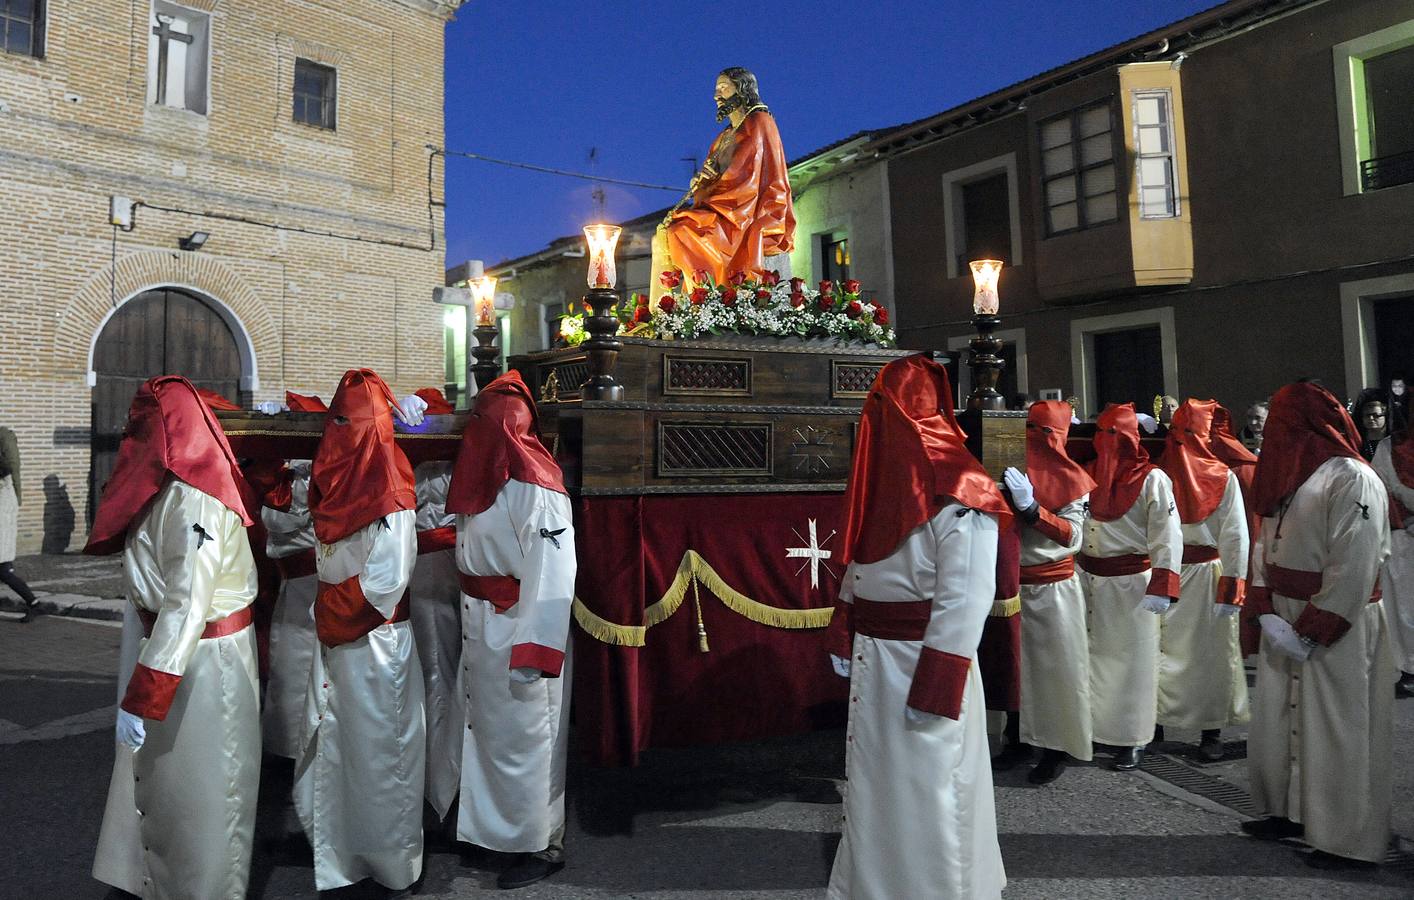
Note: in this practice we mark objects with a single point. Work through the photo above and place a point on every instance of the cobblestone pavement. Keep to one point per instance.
(705, 822)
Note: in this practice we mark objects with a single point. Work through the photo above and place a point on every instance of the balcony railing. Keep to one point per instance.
(1387, 171)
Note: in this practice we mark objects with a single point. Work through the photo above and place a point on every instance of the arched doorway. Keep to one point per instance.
(163, 331)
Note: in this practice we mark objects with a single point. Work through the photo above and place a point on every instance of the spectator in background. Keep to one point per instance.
(1164, 410)
(1398, 405)
(1371, 414)
(9, 520)
(1255, 421)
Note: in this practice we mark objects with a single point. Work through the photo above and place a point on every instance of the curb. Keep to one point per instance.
(78, 606)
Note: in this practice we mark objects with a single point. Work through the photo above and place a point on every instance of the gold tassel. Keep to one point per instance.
(701, 626)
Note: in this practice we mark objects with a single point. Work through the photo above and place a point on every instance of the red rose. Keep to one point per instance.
(670, 279)
(770, 278)
(826, 301)
(827, 287)
(667, 304)
(881, 316)
(737, 278)
(851, 287)
(729, 296)
(699, 296)
(641, 314)
(641, 299)
(762, 296)
(700, 276)
(797, 285)
(854, 309)
(797, 300)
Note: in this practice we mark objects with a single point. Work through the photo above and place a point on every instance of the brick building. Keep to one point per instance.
(291, 136)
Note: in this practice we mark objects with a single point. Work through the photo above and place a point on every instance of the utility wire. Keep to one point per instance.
(549, 171)
(230, 217)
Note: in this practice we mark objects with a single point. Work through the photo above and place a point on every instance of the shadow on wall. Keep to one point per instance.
(58, 515)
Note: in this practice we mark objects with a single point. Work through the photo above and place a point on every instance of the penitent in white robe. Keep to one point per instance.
(919, 819)
(517, 735)
(1124, 637)
(1055, 646)
(1320, 745)
(359, 780)
(290, 542)
(1202, 684)
(1397, 579)
(436, 623)
(195, 780)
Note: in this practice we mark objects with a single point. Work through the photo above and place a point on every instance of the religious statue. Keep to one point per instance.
(736, 215)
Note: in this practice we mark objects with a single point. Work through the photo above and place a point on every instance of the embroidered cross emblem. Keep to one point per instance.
(814, 555)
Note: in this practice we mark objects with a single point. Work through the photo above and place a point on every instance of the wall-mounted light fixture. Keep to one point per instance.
(194, 241)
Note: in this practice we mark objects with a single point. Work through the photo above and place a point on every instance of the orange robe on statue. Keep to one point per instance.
(744, 215)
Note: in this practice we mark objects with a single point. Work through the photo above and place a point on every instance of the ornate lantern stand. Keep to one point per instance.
(486, 353)
(984, 356)
(601, 346)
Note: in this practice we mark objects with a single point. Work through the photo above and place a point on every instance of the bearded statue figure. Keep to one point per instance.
(736, 215)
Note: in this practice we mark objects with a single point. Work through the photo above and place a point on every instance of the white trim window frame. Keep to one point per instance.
(1082, 350)
(954, 226)
(195, 84)
(1155, 173)
(1357, 319)
(1348, 59)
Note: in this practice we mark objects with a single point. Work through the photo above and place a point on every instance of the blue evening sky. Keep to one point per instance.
(548, 81)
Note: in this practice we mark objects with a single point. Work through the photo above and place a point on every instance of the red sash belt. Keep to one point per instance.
(1192, 554)
(297, 565)
(903, 621)
(1048, 573)
(435, 539)
(502, 591)
(1300, 585)
(1114, 566)
(220, 628)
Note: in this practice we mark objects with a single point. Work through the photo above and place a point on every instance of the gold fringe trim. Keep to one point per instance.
(692, 572)
(1006, 608)
(606, 631)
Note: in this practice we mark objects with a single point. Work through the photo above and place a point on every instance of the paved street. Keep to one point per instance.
(710, 822)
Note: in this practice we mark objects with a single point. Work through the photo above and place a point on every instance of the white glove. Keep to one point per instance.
(1227, 610)
(1283, 636)
(131, 732)
(840, 665)
(525, 675)
(918, 716)
(1022, 494)
(1147, 422)
(1155, 604)
(411, 410)
(269, 407)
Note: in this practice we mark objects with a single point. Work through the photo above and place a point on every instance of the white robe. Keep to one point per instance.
(1124, 637)
(292, 639)
(919, 818)
(193, 784)
(516, 739)
(1202, 684)
(436, 623)
(1398, 576)
(1055, 646)
(359, 780)
(1320, 746)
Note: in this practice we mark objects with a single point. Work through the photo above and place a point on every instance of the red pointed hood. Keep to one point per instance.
(1306, 426)
(1057, 478)
(359, 474)
(304, 403)
(1199, 477)
(170, 430)
(1225, 444)
(501, 443)
(1121, 463)
(909, 458)
(437, 404)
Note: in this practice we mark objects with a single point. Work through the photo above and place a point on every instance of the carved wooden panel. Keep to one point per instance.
(570, 374)
(849, 379)
(711, 448)
(694, 375)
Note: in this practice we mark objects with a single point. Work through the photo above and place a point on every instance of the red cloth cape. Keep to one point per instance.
(909, 458)
(215, 400)
(170, 430)
(501, 443)
(1199, 477)
(1121, 463)
(304, 403)
(1226, 446)
(1057, 478)
(436, 401)
(1306, 426)
(359, 474)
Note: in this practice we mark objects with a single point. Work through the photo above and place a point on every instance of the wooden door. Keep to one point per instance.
(1129, 368)
(159, 332)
